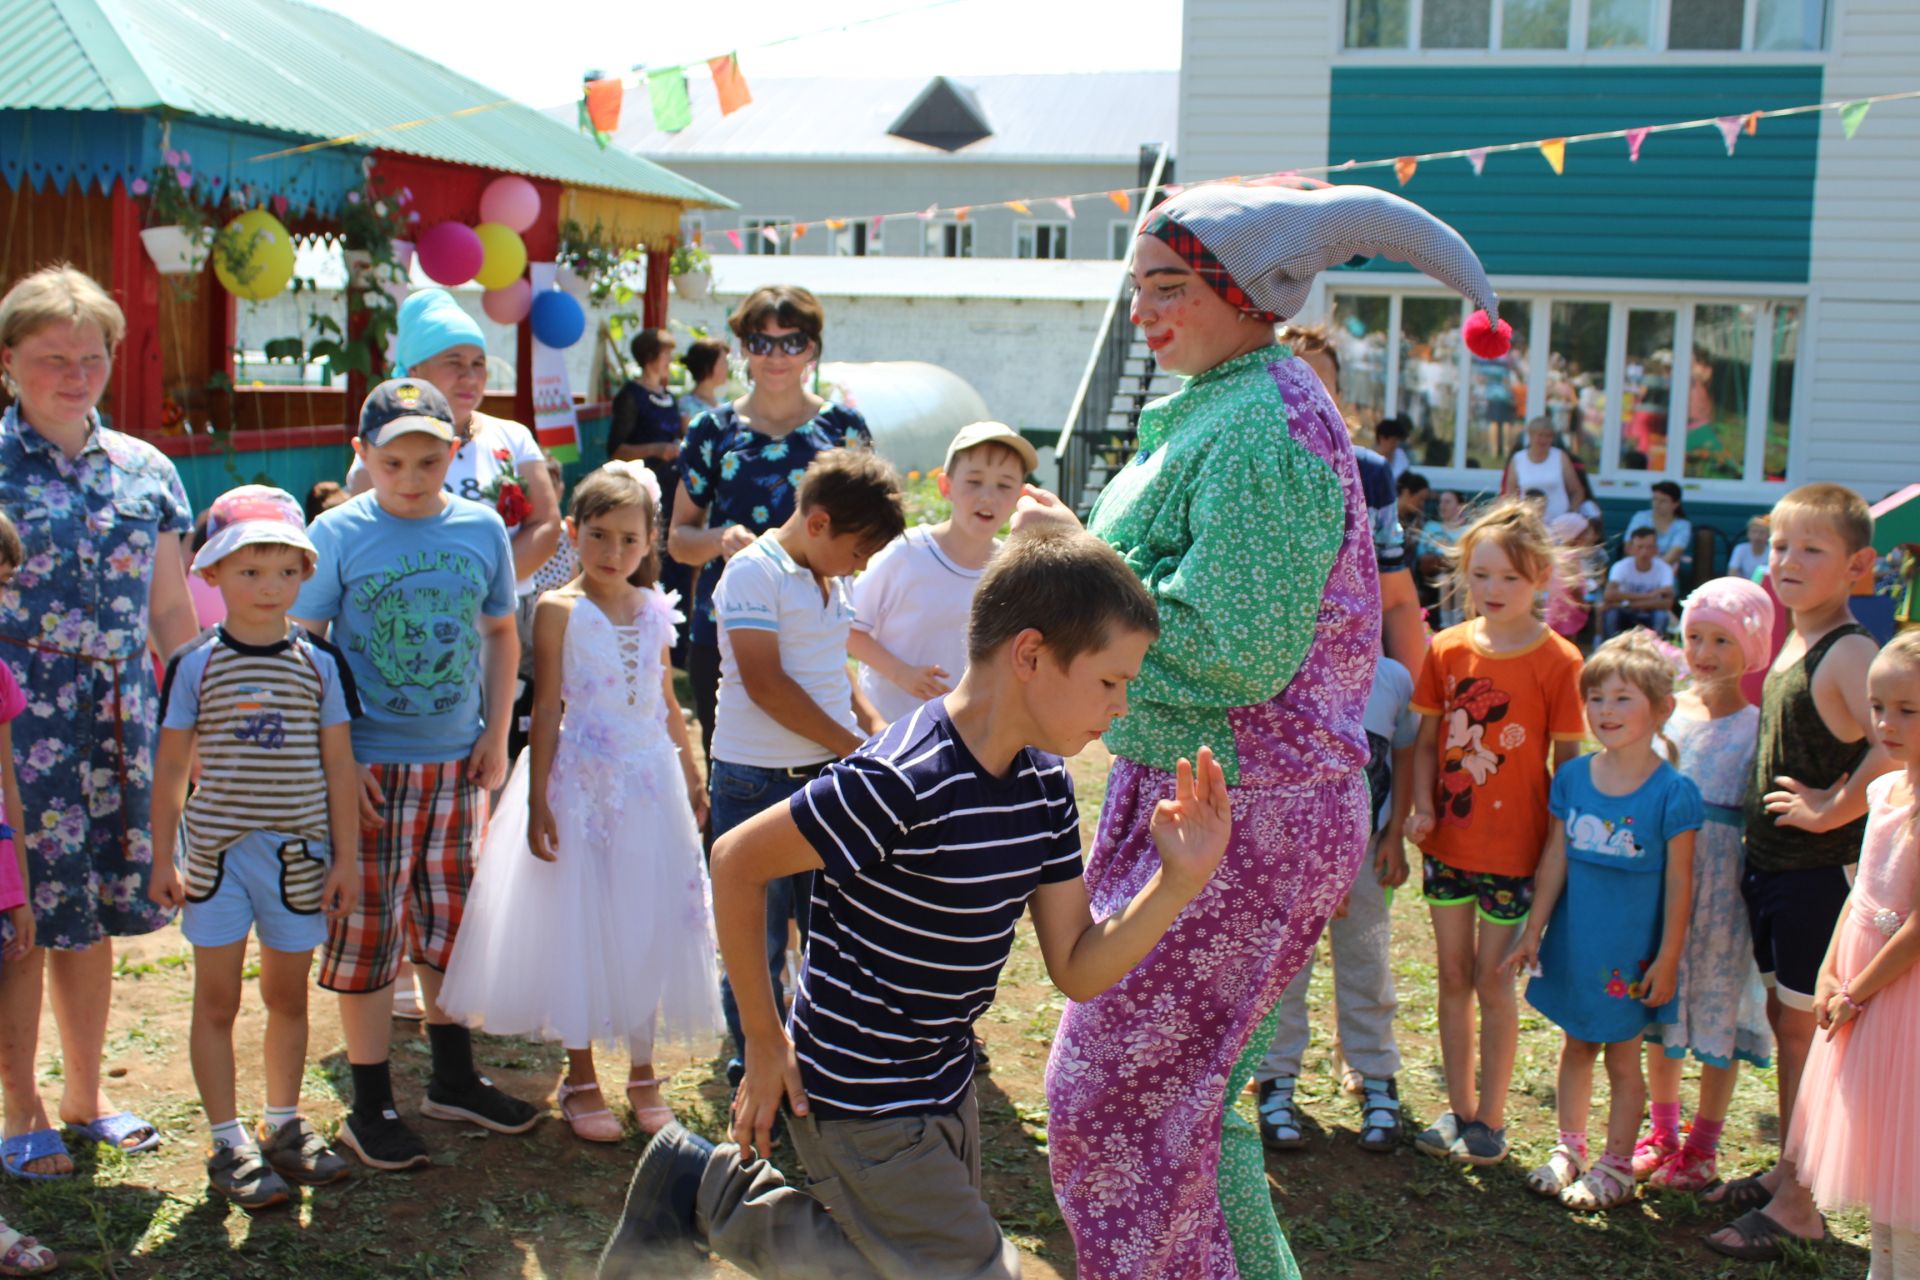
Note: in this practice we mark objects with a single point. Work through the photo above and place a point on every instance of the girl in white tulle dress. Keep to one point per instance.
(588, 922)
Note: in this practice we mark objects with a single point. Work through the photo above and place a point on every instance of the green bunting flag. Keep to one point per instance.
(667, 92)
(1851, 115)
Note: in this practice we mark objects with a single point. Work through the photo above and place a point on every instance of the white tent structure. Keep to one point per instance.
(913, 408)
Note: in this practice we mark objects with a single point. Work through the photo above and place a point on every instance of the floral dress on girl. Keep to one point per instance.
(1721, 1011)
(73, 627)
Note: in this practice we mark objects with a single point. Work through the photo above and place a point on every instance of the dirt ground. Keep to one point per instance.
(541, 1204)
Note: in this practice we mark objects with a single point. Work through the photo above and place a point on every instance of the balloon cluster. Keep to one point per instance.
(493, 255)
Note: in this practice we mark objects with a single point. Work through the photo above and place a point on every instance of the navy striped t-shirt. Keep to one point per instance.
(930, 861)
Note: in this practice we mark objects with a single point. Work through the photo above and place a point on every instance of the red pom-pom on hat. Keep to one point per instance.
(1487, 339)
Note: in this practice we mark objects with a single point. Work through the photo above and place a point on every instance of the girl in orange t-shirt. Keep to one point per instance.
(1494, 693)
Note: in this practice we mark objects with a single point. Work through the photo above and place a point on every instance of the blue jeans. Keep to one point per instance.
(738, 792)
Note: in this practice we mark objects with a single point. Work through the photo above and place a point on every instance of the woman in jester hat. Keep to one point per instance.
(1243, 514)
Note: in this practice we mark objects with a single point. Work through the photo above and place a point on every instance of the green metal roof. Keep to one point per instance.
(291, 67)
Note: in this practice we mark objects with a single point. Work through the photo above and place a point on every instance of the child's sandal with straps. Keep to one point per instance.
(588, 1126)
(22, 1255)
(650, 1119)
(1690, 1170)
(1563, 1168)
(1379, 1114)
(1651, 1154)
(1604, 1186)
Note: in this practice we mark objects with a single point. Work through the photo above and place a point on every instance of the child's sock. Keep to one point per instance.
(1622, 1165)
(452, 1056)
(274, 1119)
(1575, 1140)
(230, 1134)
(372, 1089)
(1666, 1122)
(1704, 1137)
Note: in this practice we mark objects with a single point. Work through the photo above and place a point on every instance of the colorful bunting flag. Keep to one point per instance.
(738, 247)
(799, 231)
(586, 127)
(1555, 150)
(603, 102)
(1121, 199)
(1851, 115)
(1730, 127)
(960, 214)
(1753, 123)
(926, 214)
(771, 235)
(1066, 205)
(1634, 138)
(836, 224)
(873, 229)
(1018, 206)
(1477, 157)
(667, 93)
(729, 84)
(1403, 169)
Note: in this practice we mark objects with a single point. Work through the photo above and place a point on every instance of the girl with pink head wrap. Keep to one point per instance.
(1728, 626)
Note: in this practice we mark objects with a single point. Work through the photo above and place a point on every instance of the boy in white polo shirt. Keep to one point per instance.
(787, 705)
(911, 605)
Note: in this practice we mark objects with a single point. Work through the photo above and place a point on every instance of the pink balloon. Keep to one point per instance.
(509, 305)
(450, 253)
(512, 201)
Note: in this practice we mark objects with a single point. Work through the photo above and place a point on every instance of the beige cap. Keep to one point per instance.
(975, 434)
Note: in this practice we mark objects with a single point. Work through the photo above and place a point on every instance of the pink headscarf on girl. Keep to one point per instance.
(1741, 609)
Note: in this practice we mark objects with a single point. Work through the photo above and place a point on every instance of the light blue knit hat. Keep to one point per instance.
(430, 322)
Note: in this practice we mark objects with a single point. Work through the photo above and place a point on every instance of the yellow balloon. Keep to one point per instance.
(506, 255)
(253, 256)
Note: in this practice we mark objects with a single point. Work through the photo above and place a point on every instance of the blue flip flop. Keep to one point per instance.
(17, 1152)
(113, 1130)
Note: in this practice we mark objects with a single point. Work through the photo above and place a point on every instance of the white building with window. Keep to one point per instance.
(851, 148)
(1738, 323)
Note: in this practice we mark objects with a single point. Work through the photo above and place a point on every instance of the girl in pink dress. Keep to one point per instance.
(1856, 1132)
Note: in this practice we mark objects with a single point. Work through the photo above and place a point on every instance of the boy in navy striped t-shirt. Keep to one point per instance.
(929, 842)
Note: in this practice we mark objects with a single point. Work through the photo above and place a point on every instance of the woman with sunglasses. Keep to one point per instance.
(742, 461)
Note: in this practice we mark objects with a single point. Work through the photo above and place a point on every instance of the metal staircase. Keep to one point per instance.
(1121, 378)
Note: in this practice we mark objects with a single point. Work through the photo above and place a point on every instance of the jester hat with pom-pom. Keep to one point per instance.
(1270, 242)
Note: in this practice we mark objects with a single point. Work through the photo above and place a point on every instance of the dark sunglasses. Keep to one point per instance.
(762, 344)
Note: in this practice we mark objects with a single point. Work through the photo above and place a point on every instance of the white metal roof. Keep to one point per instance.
(881, 276)
(1057, 119)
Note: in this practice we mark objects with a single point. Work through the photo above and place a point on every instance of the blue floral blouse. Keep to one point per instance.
(743, 477)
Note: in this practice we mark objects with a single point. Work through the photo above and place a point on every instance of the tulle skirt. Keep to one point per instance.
(1856, 1127)
(612, 943)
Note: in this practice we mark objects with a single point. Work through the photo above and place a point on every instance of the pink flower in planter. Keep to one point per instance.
(173, 157)
(186, 157)
(353, 197)
(185, 178)
(406, 195)
(139, 186)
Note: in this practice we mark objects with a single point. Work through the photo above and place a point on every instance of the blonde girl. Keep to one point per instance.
(1497, 698)
(1613, 896)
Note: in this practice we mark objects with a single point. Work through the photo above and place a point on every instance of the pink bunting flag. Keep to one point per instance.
(1730, 127)
(770, 234)
(873, 228)
(1066, 206)
(738, 245)
(1634, 138)
(926, 215)
(1477, 157)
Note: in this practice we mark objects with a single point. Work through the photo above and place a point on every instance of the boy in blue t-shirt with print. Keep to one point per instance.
(927, 844)
(418, 589)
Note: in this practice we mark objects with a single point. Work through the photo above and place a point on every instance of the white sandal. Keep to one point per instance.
(1603, 1187)
(1562, 1169)
(588, 1126)
(22, 1255)
(650, 1119)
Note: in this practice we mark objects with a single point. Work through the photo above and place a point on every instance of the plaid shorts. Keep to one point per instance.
(416, 868)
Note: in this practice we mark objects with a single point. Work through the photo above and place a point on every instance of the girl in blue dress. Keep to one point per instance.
(1614, 889)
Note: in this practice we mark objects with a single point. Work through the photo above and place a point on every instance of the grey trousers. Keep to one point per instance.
(1363, 998)
(891, 1199)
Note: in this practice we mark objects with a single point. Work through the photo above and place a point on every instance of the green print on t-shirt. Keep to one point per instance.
(423, 636)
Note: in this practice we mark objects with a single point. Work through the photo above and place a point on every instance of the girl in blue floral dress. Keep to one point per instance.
(1614, 892)
(100, 515)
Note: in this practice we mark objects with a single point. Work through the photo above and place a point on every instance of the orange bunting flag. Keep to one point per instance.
(603, 104)
(1753, 123)
(1403, 169)
(729, 84)
(1018, 206)
(799, 231)
(1121, 199)
(1555, 150)
(960, 214)
(836, 224)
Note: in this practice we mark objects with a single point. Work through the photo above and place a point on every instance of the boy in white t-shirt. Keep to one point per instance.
(910, 606)
(1639, 588)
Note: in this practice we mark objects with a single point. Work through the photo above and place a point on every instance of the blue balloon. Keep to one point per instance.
(557, 318)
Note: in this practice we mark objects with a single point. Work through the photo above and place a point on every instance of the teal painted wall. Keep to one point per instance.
(1684, 211)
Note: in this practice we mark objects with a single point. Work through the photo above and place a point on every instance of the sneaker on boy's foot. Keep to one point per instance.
(239, 1174)
(1279, 1127)
(656, 1236)
(298, 1153)
(1437, 1139)
(385, 1143)
(1479, 1145)
(479, 1103)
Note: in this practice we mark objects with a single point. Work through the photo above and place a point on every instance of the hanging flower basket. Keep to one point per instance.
(178, 251)
(693, 285)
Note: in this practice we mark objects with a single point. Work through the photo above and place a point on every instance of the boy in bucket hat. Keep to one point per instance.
(417, 587)
(271, 836)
